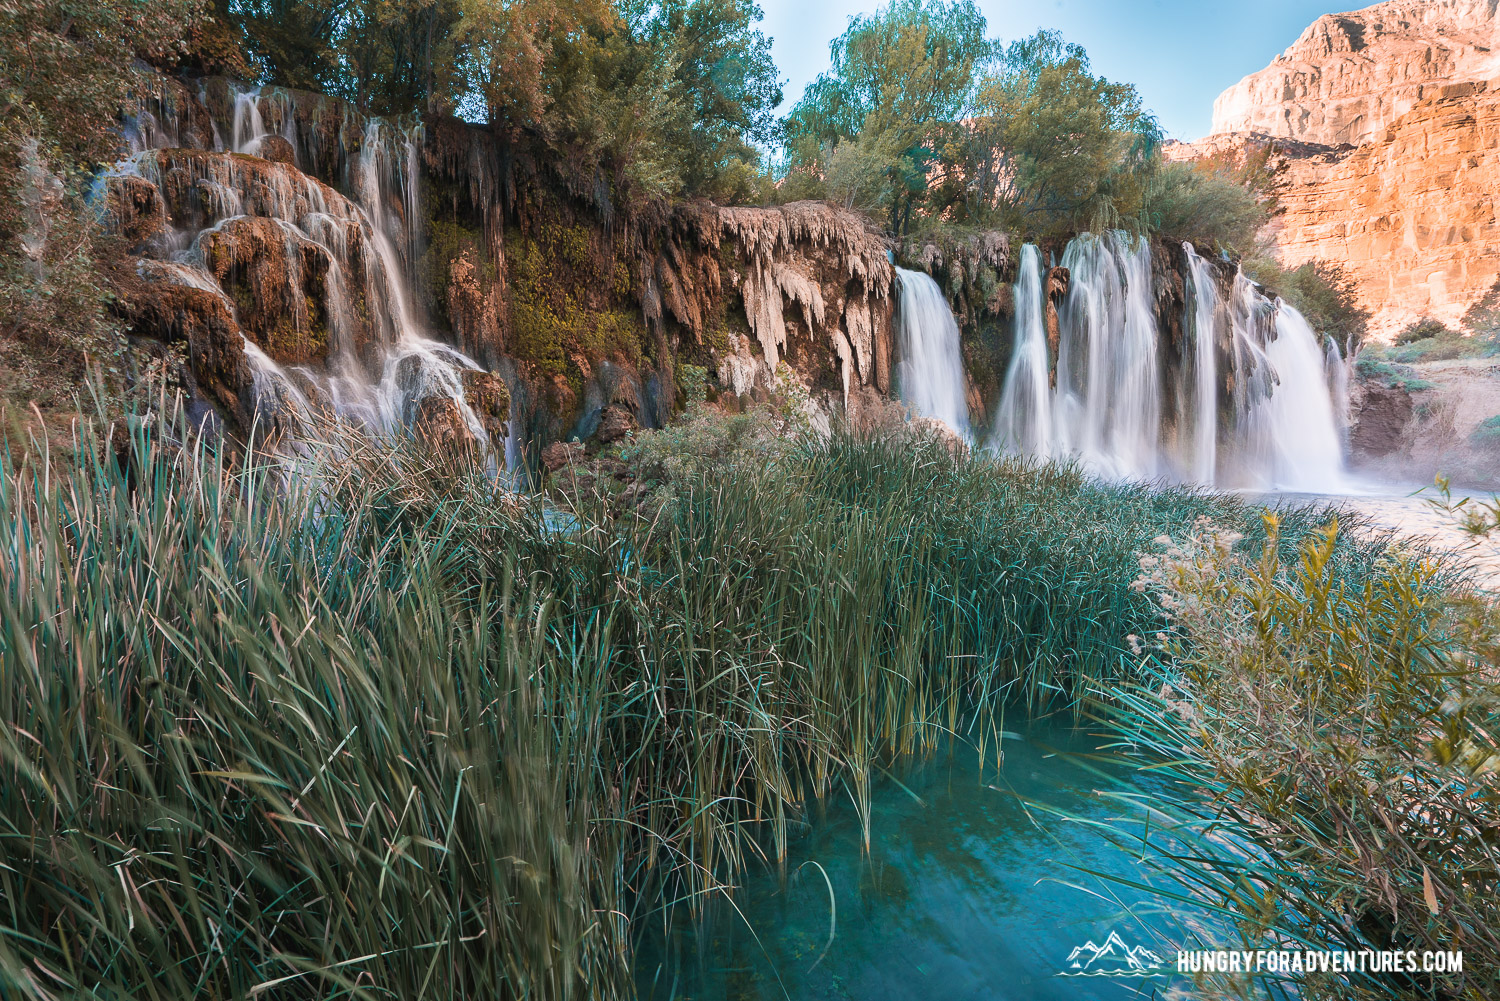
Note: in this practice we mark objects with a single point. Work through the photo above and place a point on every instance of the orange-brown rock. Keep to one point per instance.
(440, 426)
(277, 280)
(201, 321)
(276, 149)
(1410, 211)
(1351, 75)
(134, 209)
(561, 454)
(1412, 215)
(489, 398)
(615, 423)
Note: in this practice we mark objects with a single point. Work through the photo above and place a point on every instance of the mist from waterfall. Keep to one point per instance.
(1023, 420)
(930, 374)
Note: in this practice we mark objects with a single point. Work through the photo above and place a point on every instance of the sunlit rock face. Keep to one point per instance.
(1351, 75)
(1412, 215)
(1409, 208)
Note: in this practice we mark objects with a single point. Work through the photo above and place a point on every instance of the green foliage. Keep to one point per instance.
(1213, 209)
(1322, 292)
(1424, 329)
(1396, 375)
(1345, 740)
(662, 98)
(562, 306)
(870, 127)
(1054, 146)
(1483, 318)
(378, 728)
(67, 73)
(1487, 433)
(1431, 340)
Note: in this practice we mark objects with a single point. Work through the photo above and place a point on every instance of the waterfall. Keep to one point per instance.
(930, 375)
(1337, 371)
(381, 388)
(1023, 421)
(1108, 410)
(1275, 426)
(1204, 409)
(1306, 448)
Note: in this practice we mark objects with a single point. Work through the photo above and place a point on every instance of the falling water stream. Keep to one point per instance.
(383, 393)
(931, 370)
(1253, 401)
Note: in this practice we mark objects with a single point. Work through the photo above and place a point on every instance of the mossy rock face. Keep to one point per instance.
(278, 283)
(569, 306)
(489, 397)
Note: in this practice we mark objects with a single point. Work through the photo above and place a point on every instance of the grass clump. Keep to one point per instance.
(1344, 739)
(1487, 434)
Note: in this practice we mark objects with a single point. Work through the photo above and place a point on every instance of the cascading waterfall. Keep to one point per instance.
(1271, 420)
(1203, 299)
(411, 366)
(1023, 421)
(931, 374)
(1108, 408)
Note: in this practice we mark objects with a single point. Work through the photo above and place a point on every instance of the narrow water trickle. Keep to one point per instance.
(931, 374)
(1203, 299)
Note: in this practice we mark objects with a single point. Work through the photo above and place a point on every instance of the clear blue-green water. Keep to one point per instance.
(977, 885)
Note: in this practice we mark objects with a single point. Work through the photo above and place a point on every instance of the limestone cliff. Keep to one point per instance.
(1351, 75)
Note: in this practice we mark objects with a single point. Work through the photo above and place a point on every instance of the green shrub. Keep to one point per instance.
(1213, 209)
(1394, 375)
(1344, 738)
(1425, 328)
(1487, 434)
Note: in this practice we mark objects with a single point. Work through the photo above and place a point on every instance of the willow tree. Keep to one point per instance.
(871, 128)
(1051, 145)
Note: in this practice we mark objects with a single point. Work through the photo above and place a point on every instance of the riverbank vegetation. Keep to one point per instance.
(1342, 742)
(383, 728)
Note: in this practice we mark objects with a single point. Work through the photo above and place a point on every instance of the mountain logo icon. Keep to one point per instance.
(1112, 958)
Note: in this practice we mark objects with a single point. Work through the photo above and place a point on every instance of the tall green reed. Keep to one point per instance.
(351, 720)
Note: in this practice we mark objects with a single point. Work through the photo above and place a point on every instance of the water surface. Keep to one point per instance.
(971, 889)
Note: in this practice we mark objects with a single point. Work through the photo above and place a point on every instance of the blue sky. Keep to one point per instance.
(1179, 53)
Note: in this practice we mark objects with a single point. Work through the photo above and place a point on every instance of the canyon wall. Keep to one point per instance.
(1350, 75)
(1385, 129)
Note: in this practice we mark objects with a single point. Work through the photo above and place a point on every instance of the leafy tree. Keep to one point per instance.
(1055, 145)
(1483, 318)
(1425, 328)
(899, 80)
(1210, 207)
